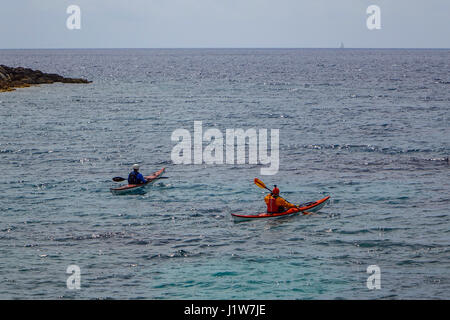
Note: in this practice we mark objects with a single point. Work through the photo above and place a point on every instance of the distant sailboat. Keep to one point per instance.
(341, 46)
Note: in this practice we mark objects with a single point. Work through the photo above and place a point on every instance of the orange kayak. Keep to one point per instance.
(138, 188)
(309, 207)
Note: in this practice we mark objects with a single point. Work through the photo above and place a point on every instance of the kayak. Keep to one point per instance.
(309, 207)
(138, 188)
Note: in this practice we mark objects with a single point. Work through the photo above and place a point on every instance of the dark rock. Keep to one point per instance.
(11, 78)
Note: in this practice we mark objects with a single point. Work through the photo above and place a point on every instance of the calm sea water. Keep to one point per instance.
(368, 127)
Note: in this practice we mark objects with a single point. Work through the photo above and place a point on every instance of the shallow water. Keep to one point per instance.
(368, 127)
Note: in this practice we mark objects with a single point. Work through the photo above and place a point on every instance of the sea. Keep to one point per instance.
(368, 127)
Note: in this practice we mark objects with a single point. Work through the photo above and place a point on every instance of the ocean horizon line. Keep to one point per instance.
(233, 48)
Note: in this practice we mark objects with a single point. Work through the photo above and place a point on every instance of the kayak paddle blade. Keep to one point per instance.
(260, 184)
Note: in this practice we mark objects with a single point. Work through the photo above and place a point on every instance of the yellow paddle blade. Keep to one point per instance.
(260, 184)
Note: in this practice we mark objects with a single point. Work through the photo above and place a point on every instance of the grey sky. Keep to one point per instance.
(224, 23)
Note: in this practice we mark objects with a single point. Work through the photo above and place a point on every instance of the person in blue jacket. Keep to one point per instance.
(135, 177)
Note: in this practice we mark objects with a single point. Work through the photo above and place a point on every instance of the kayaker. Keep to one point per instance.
(275, 203)
(135, 177)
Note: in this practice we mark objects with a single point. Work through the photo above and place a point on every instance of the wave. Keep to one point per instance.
(369, 148)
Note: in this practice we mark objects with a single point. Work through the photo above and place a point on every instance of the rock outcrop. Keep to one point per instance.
(11, 78)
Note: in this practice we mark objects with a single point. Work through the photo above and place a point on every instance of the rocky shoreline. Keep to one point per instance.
(11, 78)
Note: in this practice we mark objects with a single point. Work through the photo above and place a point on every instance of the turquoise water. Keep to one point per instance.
(368, 127)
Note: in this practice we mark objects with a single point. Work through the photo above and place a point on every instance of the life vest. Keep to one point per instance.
(272, 205)
(132, 178)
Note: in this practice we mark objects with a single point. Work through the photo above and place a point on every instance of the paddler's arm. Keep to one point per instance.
(283, 203)
(141, 178)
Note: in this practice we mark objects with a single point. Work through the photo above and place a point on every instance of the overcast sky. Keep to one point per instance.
(224, 23)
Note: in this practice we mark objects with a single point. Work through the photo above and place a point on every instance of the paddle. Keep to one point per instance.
(119, 179)
(261, 184)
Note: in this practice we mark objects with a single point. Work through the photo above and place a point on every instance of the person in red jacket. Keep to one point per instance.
(275, 203)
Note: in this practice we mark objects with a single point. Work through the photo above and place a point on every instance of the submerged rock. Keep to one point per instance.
(19, 77)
